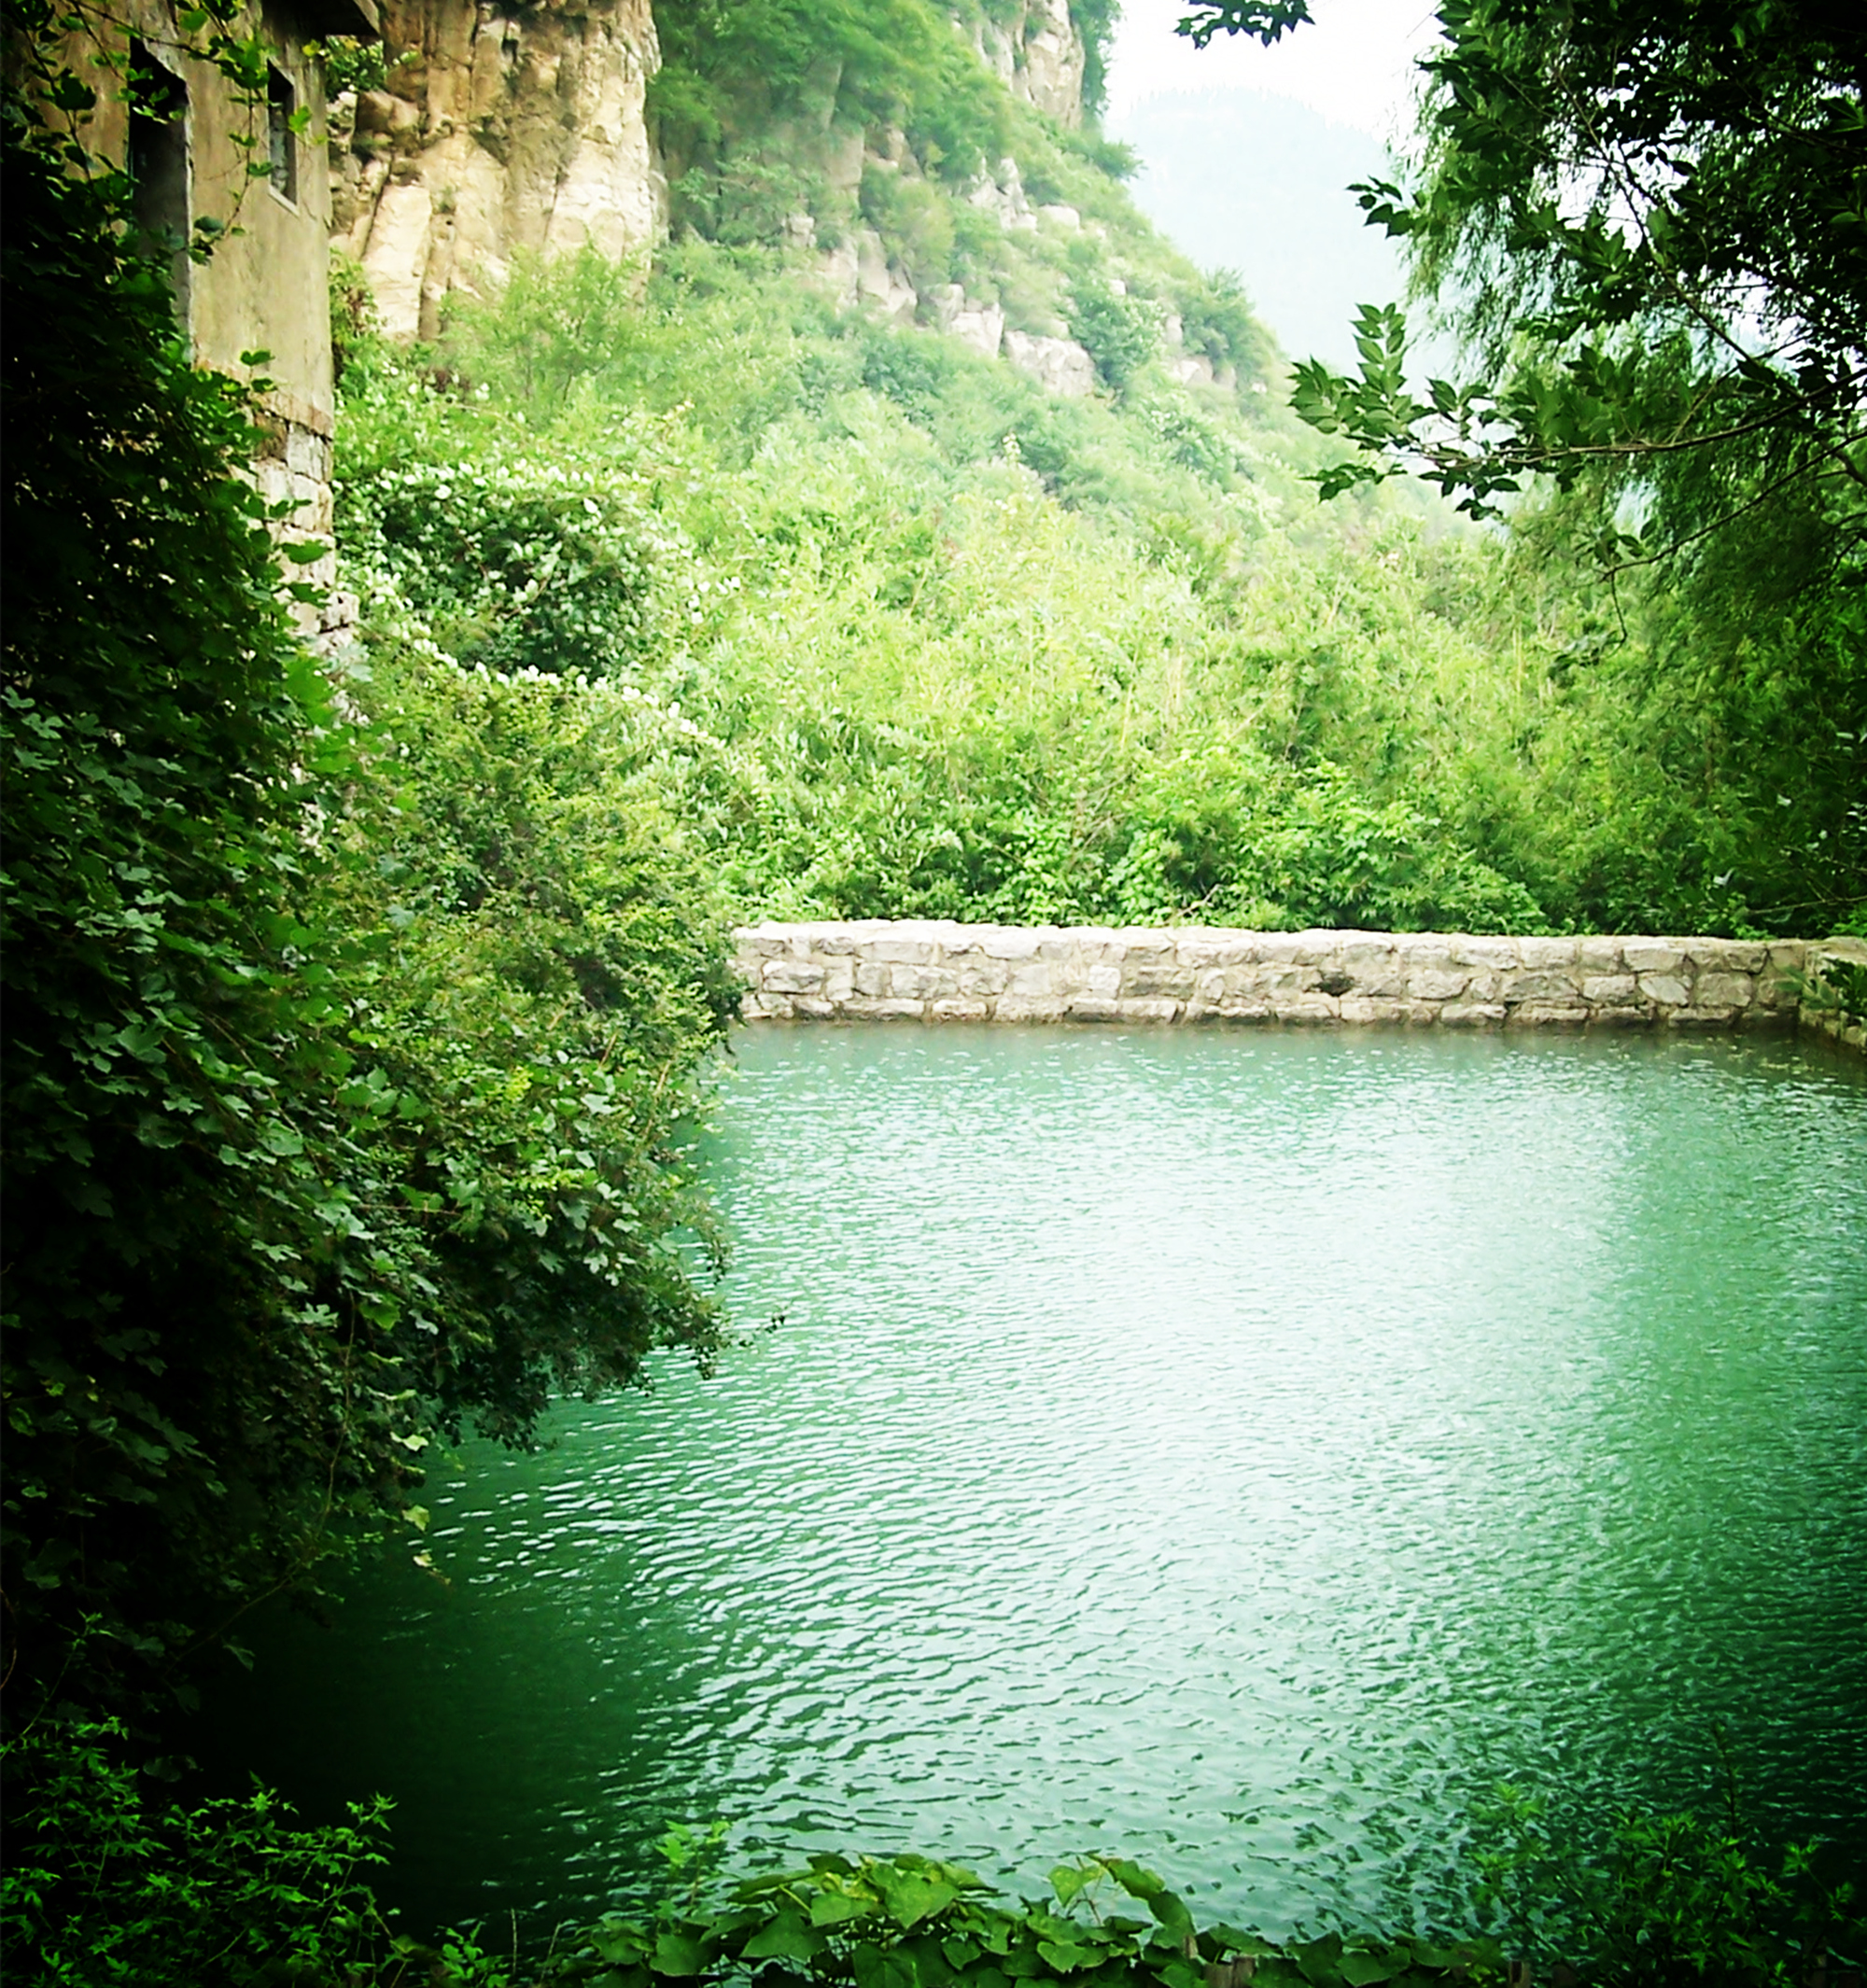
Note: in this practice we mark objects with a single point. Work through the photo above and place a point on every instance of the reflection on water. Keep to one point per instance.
(1242, 1449)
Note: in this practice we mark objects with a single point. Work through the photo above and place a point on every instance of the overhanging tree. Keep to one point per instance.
(1649, 223)
(308, 1154)
(1646, 220)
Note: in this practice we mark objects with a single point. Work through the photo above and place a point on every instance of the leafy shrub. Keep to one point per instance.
(516, 566)
(301, 1167)
(1120, 333)
(104, 1885)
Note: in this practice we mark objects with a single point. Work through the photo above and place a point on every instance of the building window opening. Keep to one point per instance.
(281, 107)
(158, 165)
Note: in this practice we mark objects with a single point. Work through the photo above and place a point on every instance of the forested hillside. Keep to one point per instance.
(946, 536)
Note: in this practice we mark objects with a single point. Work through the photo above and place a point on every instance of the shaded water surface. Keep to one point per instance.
(1242, 1449)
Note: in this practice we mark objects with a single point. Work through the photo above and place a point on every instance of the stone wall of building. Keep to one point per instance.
(935, 971)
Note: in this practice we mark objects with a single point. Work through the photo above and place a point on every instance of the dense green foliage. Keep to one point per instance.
(105, 1884)
(340, 1061)
(110, 1882)
(352, 1010)
(925, 639)
(1646, 224)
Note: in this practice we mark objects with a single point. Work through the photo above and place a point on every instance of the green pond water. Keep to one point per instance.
(1243, 1449)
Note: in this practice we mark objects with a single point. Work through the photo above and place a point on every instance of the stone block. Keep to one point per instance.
(1242, 1009)
(1103, 981)
(1724, 990)
(1155, 980)
(1729, 955)
(1610, 991)
(860, 1009)
(1539, 986)
(1471, 1015)
(1651, 956)
(1286, 983)
(1093, 1008)
(792, 976)
(1215, 948)
(1486, 984)
(984, 976)
(1548, 955)
(307, 453)
(1034, 979)
(1632, 1015)
(939, 982)
(1421, 1013)
(1669, 989)
(770, 1007)
(1154, 1010)
(1209, 985)
(1702, 1014)
(1432, 984)
(1028, 1008)
(839, 978)
(961, 1010)
(1498, 954)
(762, 942)
(902, 952)
(1306, 1008)
(1365, 1008)
(1599, 956)
(813, 1008)
(1004, 943)
(871, 981)
(1276, 948)
(1069, 943)
(1568, 1013)
(1141, 942)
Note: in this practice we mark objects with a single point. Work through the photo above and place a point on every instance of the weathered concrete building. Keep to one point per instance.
(202, 150)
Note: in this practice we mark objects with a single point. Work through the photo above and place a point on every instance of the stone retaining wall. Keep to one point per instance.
(1827, 1010)
(939, 970)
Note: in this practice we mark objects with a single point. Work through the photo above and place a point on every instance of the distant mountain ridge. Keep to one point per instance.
(1220, 178)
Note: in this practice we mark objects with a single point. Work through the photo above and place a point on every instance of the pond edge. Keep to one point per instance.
(929, 970)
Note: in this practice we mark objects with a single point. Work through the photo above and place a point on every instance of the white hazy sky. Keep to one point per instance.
(1353, 63)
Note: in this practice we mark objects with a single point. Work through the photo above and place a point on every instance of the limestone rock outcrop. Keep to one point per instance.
(1036, 51)
(1059, 365)
(504, 128)
(501, 130)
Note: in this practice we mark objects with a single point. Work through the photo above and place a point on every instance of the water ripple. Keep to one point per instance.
(1242, 1449)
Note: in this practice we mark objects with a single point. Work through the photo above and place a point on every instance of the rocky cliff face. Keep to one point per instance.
(501, 130)
(505, 128)
(1038, 54)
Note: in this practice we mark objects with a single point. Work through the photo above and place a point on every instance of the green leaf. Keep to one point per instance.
(911, 1896)
(1067, 1880)
(1066, 1956)
(1175, 1920)
(883, 1968)
(1136, 1881)
(838, 1907)
(680, 1954)
(788, 1936)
